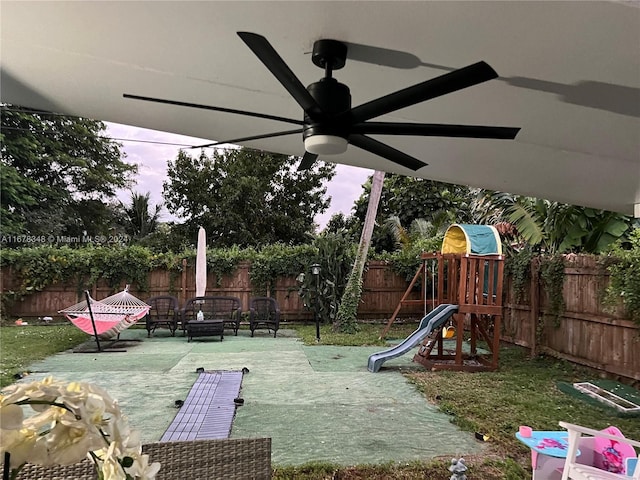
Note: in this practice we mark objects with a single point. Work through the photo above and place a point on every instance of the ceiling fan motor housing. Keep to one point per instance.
(324, 135)
(334, 98)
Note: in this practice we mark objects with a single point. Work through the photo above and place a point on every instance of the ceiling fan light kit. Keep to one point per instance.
(325, 144)
(330, 123)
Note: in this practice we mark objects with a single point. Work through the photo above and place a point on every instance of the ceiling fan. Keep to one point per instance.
(330, 124)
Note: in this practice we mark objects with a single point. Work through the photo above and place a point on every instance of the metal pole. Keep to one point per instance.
(316, 309)
(6, 470)
(93, 322)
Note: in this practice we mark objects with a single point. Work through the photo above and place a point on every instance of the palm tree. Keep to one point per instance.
(420, 228)
(346, 319)
(140, 218)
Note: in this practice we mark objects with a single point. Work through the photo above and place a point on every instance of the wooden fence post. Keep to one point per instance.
(184, 280)
(534, 301)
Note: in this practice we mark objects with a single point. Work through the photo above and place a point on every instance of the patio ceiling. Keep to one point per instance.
(569, 77)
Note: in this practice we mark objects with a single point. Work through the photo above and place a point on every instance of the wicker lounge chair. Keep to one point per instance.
(163, 313)
(229, 459)
(264, 312)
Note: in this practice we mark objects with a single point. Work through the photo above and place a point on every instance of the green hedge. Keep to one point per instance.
(38, 267)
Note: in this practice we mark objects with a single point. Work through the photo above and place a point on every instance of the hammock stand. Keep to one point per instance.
(108, 317)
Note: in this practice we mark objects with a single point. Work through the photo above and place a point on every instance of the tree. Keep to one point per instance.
(53, 168)
(418, 230)
(247, 197)
(323, 292)
(346, 320)
(17, 194)
(554, 227)
(409, 199)
(140, 218)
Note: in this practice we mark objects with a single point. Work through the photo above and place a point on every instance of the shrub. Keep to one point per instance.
(624, 280)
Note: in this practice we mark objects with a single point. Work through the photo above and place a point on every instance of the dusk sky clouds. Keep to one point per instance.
(151, 150)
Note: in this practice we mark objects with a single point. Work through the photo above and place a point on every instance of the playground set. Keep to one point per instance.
(466, 279)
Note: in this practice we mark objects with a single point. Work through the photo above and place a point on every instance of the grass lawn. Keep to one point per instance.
(522, 392)
(22, 346)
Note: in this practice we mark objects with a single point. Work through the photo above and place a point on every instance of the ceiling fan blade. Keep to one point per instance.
(385, 151)
(435, 130)
(276, 65)
(246, 139)
(215, 109)
(436, 87)
(307, 161)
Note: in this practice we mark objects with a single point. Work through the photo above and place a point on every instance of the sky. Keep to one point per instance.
(151, 149)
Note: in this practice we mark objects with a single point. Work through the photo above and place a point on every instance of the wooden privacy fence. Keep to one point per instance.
(382, 290)
(584, 333)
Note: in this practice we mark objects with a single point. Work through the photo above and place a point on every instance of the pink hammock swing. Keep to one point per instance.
(108, 317)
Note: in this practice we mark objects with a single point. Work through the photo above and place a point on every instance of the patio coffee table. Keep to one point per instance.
(205, 328)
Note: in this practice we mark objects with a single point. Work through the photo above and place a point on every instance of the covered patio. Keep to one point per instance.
(568, 78)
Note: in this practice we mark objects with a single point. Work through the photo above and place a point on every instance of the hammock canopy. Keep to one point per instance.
(472, 239)
(111, 315)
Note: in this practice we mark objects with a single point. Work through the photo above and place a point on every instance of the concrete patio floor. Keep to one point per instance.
(317, 403)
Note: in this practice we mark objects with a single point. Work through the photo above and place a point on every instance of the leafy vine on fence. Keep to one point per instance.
(225, 261)
(277, 261)
(552, 276)
(518, 267)
(624, 281)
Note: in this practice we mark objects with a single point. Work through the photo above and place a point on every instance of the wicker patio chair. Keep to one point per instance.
(163, 313)
(264, 312)
(228, 459)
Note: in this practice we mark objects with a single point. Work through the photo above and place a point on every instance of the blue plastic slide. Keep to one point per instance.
(428, 324)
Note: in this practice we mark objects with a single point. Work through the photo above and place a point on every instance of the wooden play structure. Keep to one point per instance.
(467, 272)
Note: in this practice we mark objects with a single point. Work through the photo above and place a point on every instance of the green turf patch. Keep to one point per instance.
(623, 391)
